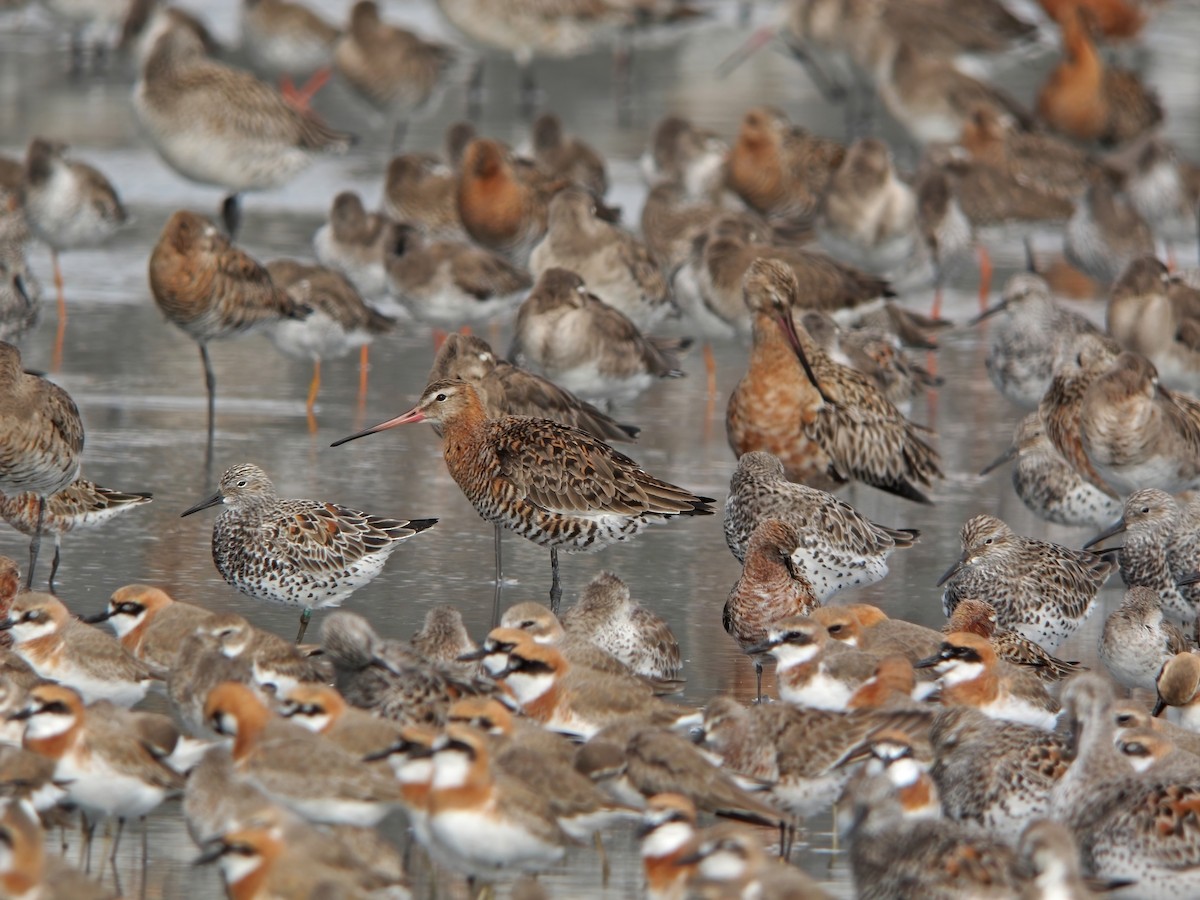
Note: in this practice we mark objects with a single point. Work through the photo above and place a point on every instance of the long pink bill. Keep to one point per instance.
(413, 415)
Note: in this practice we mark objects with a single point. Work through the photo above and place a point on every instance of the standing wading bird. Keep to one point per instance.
(552, 484)
(67, 204)
(211, 290)
(41, 439)
(305, 553)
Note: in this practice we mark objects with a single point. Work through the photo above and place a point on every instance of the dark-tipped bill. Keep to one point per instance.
(1117, 527)
(989, 312)
(789, 328)
(999, 460)
(951, 572)
(215, 500)
(413, 415)
(99, 617)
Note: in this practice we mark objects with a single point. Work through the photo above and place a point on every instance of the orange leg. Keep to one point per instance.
(364, 368)
(313, 388)
(985, 275)
(299, 98)
(61, 334)
(1172, 262)
(710, 368)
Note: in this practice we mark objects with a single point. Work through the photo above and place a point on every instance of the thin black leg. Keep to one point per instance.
(210, 385)
(499, 580)
(36, 544)
(231, 214)
(555, 587)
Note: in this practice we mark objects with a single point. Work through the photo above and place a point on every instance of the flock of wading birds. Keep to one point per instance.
(959, 772)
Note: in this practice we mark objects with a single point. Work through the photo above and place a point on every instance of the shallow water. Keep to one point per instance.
(138, 381)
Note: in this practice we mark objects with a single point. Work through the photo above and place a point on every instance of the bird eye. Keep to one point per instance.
(1145, 509)
(241, 483)
(834, 629)
(440, 398)
(988, 541)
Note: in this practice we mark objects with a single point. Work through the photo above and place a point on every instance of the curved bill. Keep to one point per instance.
(99, 617)
(413, 415)
(214, 500)
(1159, 705)
(951, 572)
(1116, 528)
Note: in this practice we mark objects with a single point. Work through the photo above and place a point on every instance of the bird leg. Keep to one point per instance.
(938, 276)
(305, 617)
(231, 214)
(499, 581)
(145, 855)
(313, 388)
(985, 275)
(758, 682)
(36, 543)
(54, 565)
(299, 98)
(210, 385)
(364, 366)
(475, 91)
(710, 369)
(555, 587)
(605, 867)
(61, 333)
(528, 91)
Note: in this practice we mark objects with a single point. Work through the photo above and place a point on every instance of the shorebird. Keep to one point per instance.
(1178, 691)
(1149, 523)
(41, 440)
(730, 861)
(443, 637)
(211, 290)
(691, 158)
(357, 244)
(1151, 313)
(451, 282)
(579, 701)
(1136, 642)
(395, 70)
(1050, 486)
(1042, 590)
(567, 156)
(304, 553)
(304, 771)
(503, 205)
(610, 618)
(870, 629)
(772, 587)
(1105, 233)
(20, 293)
(780, 170)
(422, 190)
(812, 671)
(322, 710)
(971, 674)
(1138, 434)
(151, 624)
(838, 546)
(506, 389)
(587, 346)
(992, 773)
(339, 322)
(667, 834)
(899, 848)
(615, 265)
(81, 504)
(221, 126)
(850, 430)
(1116, 20)
(488, 820)
(289, 39)
(1089, 100)
(67, 205)
(868, 214)
(979, 617)
(1132, 827)
(63, 649)
(1027, 342)
(109, 769)
(26, 868)
(575, 511)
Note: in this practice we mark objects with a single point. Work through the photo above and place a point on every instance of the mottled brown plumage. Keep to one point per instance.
(864, 436)
(41, 437)
(780, 170)
(566, 156)
(421, 190)
(506, 389)
(356, 243)
(979, 617)
(211, 289)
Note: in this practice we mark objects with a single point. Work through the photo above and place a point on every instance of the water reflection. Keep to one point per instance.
(138, 382)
